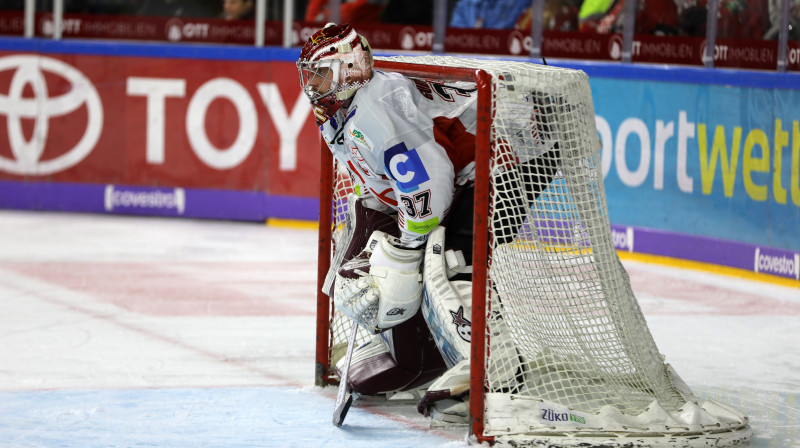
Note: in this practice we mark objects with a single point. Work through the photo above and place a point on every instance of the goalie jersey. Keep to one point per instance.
(407, 144)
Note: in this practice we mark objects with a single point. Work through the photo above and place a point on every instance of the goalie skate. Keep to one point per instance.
(452, 384)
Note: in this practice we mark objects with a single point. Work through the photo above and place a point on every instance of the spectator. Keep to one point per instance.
(594, 9)
(419, 12)
(79, 6)
(238, 9)
(13, 5)
(658, 17)
(495, 14)
(352, 11)
(742, 19)
(692, 18)
(737, 19)
(558, 15)
(181, 8)
(775, 19)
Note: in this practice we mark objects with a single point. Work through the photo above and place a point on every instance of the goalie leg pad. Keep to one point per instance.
(402, 358)
(503, 352)
(411, 345)
(452, 384)
(373, 371)
(446, 305)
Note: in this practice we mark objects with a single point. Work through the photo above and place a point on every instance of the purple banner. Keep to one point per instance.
(180, 202)
(766, 260)
(259, 206)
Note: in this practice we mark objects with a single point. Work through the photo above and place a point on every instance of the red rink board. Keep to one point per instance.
(222, 123)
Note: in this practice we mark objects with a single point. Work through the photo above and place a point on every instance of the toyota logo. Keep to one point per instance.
(29, 71)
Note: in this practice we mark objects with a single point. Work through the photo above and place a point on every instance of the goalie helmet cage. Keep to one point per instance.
(560, 353)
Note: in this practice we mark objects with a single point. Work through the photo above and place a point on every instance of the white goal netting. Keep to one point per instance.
(585, 367)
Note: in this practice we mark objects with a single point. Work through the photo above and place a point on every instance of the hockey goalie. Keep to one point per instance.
(566, 357)
(409, 147)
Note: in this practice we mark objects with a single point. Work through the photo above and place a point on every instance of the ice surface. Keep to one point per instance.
(130, 331)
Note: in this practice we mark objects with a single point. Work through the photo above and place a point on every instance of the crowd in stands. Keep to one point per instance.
(737, 19)
(222, 9)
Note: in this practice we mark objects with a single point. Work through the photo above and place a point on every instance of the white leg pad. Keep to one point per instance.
(447, 309)
(446, 391)
(454, 382)
(368, 350)
(446, 305)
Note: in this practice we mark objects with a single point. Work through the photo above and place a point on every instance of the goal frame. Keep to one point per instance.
(569, 360)
(483, 151)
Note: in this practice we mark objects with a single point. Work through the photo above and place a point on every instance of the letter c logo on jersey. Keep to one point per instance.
(405, 167)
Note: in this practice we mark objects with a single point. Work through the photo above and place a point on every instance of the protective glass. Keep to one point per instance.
(319, 79)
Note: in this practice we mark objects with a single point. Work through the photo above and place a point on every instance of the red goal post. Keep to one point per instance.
(480, 228)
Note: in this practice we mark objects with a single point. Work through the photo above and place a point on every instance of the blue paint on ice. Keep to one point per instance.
(202, 417)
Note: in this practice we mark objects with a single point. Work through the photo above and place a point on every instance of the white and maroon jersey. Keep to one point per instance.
(407, 143)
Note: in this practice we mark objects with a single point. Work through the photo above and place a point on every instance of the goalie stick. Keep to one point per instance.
(344, 398)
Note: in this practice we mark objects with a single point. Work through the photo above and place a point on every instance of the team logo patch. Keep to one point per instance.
(405, 167)
(463, 326)
(320, 115)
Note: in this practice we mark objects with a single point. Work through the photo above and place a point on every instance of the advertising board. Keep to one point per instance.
(698, 164)
(156, 122)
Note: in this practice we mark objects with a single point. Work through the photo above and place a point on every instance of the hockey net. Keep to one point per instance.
(545, 273)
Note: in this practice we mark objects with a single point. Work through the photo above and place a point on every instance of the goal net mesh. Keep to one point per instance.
(583, 358)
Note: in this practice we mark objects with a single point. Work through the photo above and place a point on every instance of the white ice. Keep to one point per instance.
(119, 331)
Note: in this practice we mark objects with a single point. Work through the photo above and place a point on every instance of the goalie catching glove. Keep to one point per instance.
(382, 286)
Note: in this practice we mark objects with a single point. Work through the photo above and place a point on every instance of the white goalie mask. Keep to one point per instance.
(335, 62)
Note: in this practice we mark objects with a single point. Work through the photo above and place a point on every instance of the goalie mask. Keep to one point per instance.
(334, 63)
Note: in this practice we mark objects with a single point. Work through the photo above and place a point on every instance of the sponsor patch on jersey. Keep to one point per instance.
(359, 138)
(423, 227)
(405, 167)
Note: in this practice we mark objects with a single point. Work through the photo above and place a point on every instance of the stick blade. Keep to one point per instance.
(344, 397)
(340, 411)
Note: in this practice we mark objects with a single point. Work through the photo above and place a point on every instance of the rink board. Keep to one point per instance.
(704, 163)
